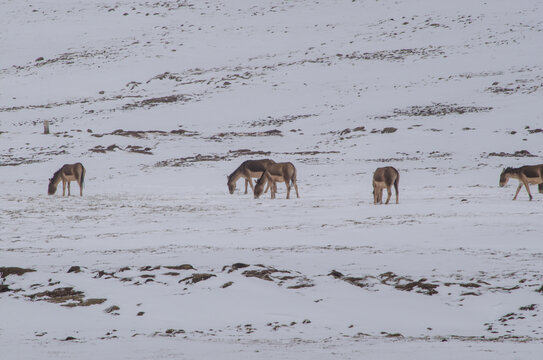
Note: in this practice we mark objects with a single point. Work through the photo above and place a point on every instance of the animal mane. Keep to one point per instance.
(56, 175)
(235, 171)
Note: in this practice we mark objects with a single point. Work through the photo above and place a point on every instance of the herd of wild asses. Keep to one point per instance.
(269, 173)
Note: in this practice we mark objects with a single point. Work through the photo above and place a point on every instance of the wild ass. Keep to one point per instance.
(67, 173)
(248, 169)
(278, 172)
(526, 175)
(384, 178)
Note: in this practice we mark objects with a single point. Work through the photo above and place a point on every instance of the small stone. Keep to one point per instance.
(225, 285)
(74, 269)
(111, 309)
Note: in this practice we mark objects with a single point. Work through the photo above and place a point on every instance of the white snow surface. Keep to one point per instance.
(452, 271)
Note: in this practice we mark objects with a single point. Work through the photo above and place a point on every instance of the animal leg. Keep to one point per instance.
(69, 188)
(246, 183)
(296, 188)
(540, 187)
(381, 195)
(528, 189)
(396, 188)
(63, 188)
(518, 189)
(389, 194)
(80, 188)
(288, 188)
(273, 187)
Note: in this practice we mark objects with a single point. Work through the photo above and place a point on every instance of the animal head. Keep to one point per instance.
(505, 175)
(259, 188)
(52, 188)
(231, 185)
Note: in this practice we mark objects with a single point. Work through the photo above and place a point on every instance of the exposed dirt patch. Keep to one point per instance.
(82, 101)
(37, 156)
(141, 134)
(519, 153)
(436, 109)
(281, 277)
(130, 148)
(407, 284)
(263, 274)
(68, 58)
(522, 86)
(394, 55)
(389, 278)
(66, 296)
(6, 271)
(245, 152)
(235, 267)
(387, 130)
(311, 152)
(196, 278)
(148, 103)
(270, 121)
(181, 79)
(180, 267)
(356, 281)
(229, 135)
(189, 160)
(87, 302)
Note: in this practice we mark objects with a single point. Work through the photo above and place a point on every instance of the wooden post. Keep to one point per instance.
(46, 126)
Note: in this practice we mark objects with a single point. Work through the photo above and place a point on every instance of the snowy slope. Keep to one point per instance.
(161, 100)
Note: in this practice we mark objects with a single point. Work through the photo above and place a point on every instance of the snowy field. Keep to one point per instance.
(161, 100)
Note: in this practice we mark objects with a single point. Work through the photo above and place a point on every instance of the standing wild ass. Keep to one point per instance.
(384, 178)
(278, 172)
(526, 175)
(248, 169)
(67, 173)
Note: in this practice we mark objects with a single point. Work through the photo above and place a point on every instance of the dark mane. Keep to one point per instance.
(237, 169)
(56, 175)
(510, 170)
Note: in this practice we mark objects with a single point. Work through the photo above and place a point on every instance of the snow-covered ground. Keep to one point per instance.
(158, 260)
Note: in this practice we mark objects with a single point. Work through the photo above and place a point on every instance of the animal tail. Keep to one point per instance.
(293, 179)
(397, 182)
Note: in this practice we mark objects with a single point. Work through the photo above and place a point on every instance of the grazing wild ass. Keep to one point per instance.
(67, 173)
(248, 169)
(383, 178)
(526, 175)
(278, 172)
